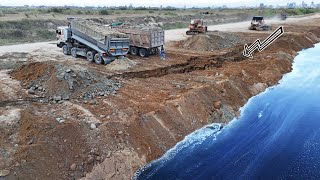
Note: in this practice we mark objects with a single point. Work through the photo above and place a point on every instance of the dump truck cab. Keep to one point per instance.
(63, 34)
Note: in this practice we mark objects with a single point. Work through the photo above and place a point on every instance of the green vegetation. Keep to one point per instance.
(26, 30)
(104, 12)
(177, 25)
(170, 14)
(301, 11)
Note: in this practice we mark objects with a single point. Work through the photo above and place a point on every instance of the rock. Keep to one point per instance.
(73, 167)
(66, 97)
(120, 132)
(68, 71)
(31, 91)
(60, 165)
(102, 116)
(109, 154)
(4, 173)
(98, 158)
(60, 120)
(40, 88)
(93, 126)
(101, 94)
(57, 98)
(217, 104)
(90, 160)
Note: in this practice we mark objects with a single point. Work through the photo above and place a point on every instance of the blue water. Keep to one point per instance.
(276, 137)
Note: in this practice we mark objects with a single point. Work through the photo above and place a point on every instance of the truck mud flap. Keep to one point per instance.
(108, 59)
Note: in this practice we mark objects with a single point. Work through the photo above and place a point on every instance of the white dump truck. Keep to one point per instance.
(96, 42)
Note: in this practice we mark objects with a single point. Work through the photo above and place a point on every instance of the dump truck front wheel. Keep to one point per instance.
(98, 59)
(90, 56)
(74, 52)
(144, 52)
(65, 49)
(134, 50)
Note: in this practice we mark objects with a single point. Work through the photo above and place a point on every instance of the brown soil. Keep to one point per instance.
(32, 71)
(110, 137)
(210, 41)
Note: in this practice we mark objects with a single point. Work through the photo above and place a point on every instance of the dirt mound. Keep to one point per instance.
(32, 71)
(211, 41)
(56, 82)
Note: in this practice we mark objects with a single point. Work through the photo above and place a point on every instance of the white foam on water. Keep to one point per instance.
(190, 141)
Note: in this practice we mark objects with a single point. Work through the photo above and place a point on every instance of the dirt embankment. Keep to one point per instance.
(158, 104)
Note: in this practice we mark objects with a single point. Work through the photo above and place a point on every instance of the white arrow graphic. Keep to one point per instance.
(248, 50)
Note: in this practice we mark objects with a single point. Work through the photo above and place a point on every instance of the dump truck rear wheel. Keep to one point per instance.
(134, 50)
(90, 56)
(98, 59)
(144, 52)
(74, 52)
(65, 50)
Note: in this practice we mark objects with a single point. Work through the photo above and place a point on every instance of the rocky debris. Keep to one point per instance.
(98, 158)
(101, 31)
(4, 173)
(57, 98)
(68, 70)
(60, 120)
(90, 160)
(109, 154)
(63, 83)
(211, 41)
(217, 104)
(73, 167)
(93, 126)
(31, 91)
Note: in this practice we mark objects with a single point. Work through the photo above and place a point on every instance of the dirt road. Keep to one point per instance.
(66, 118)
(180, 34)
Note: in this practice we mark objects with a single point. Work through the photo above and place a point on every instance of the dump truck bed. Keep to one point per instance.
(97, 36)
(150, 38)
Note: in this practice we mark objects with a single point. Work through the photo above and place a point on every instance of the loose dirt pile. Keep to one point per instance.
(100, 31)
(211, 41)
(56, 82)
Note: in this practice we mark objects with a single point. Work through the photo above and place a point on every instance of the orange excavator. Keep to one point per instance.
(197, 27)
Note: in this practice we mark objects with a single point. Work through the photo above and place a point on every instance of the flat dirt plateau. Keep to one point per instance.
(66, 118)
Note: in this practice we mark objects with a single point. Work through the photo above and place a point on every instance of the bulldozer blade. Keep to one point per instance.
(192, 32)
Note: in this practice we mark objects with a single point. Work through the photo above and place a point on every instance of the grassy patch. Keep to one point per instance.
(177, 25)
(27, 30)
